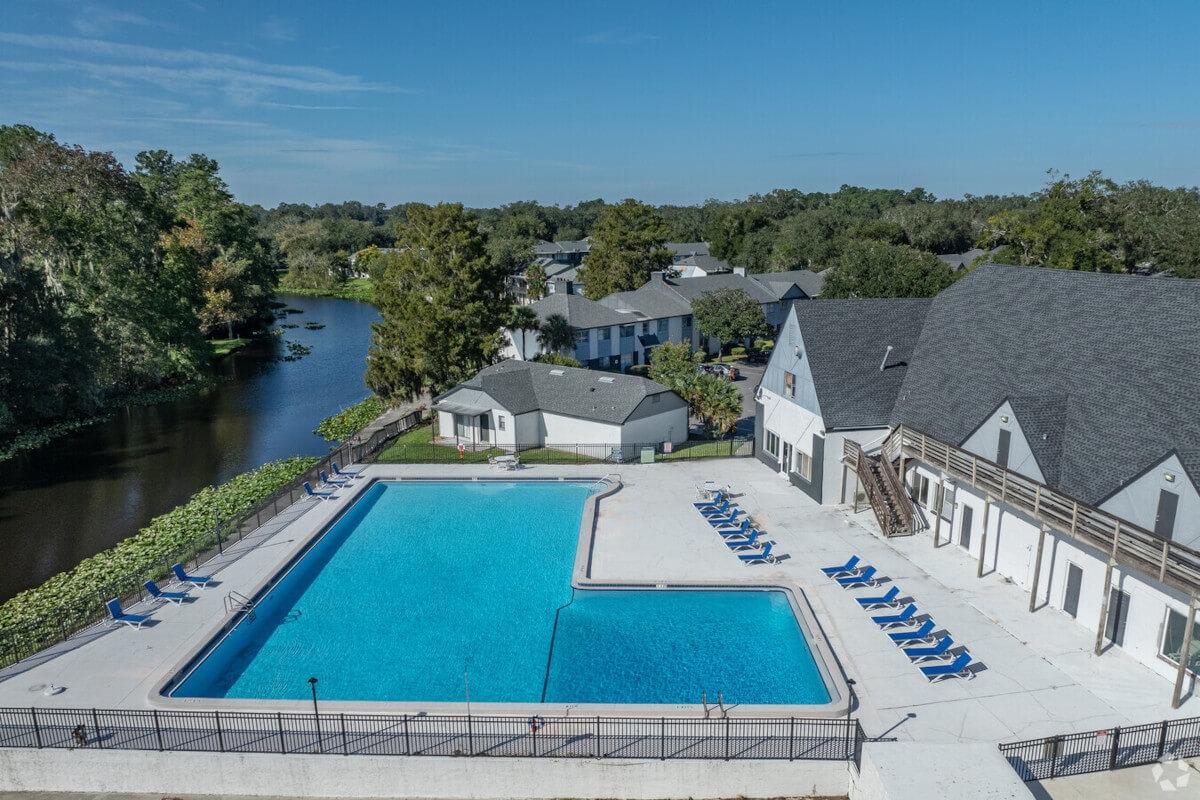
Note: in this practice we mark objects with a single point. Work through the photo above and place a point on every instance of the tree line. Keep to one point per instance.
(111, 280)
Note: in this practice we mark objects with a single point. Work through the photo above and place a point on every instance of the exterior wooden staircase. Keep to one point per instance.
(879, 479)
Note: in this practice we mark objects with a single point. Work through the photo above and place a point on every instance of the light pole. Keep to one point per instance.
(312, 683)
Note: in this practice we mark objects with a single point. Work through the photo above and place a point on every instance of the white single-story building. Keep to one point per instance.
(517, 405)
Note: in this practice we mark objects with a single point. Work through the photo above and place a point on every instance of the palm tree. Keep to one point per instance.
(523, 319)
(717, 402)
(556, 334)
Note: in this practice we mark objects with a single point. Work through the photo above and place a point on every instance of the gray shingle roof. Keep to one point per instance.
(811, 283)
(564, 246)
(709, 264)
(691, 288)
(1104, 365)
(579, 311)
(524, 386)
(688, 248)
(654, 300)
(845, 342)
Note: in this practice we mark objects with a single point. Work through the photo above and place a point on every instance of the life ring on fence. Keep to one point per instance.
(462, 450)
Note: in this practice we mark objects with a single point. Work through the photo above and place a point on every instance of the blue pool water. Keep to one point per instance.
(422, 587)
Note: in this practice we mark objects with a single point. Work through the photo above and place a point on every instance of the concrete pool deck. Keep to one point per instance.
(1041, 677)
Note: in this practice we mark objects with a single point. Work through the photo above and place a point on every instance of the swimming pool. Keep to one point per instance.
(431, 591)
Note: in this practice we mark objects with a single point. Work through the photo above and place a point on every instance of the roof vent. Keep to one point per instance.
(886, 353)
(557, 372)
(607, 379)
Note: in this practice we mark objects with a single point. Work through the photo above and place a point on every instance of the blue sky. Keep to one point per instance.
(563, 101)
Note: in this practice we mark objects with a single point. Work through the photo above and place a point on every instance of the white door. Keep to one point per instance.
(785, 461)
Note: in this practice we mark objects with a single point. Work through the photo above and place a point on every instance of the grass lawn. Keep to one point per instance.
(354, 289)
(223, 347)
(417, 447)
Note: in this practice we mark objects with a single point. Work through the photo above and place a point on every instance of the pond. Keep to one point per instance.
(84, 492)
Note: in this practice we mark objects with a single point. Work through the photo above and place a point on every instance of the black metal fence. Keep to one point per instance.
(1109, 748)
(446, 452)
(428, 735)
(20, 642)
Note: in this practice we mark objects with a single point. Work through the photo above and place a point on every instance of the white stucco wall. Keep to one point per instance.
(793, 424)
(669, 426)
(1011, 552)
(1138, 502)
(559, 429)
(986, 438)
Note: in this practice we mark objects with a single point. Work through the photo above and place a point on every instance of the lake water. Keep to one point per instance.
(84, 492)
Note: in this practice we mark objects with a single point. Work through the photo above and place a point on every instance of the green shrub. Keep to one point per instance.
(640, 369)
(557, 360)
(349, 421)
(75, 597)
(764, 344)
(737, 351)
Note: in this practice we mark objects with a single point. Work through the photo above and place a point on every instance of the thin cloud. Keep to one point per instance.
(278, 29)
(100, 21)
(618, 38)
(198, 63)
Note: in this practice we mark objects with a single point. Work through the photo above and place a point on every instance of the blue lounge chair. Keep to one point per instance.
(332, 481)
(918, 654)
(311, 492)
(720, 522)
(120, 615)
(348, 474)
(956, 668)
(920, 634)
(159, 594)
(763, 557)
(886, 599)
(849, 566)
(749, 543)
(715, 500)
(888, 620)
(864, 578)
(741, 530)
(202, 581)
(722, 510)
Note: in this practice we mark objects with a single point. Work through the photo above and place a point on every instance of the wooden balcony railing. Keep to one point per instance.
(1129, 545)
(884, 490)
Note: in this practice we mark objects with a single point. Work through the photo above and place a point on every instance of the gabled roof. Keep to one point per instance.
(688, 248)
(579, 311)
(564, 246)
(692, 288)
(845, 342)
(1106, 365)
(524, 386)
(710, 264)
(654, 300)
(809, 282)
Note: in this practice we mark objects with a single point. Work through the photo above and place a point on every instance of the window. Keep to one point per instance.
(1172, 643)
(581, 338)
(920, 489)
(771, 443)
(626, 331)
(500, 421)
(948, 501)
(1002, 447)
(789, 385)
(662, 329)
(657, 398)
(804, 465)
(605, 334)
(687, 323)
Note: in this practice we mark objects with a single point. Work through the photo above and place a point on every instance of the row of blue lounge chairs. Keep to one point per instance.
(339, 479)
(733, 526)
(851, 574)
(123, 617)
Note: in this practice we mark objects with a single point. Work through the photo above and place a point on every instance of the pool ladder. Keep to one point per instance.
(236, 601)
